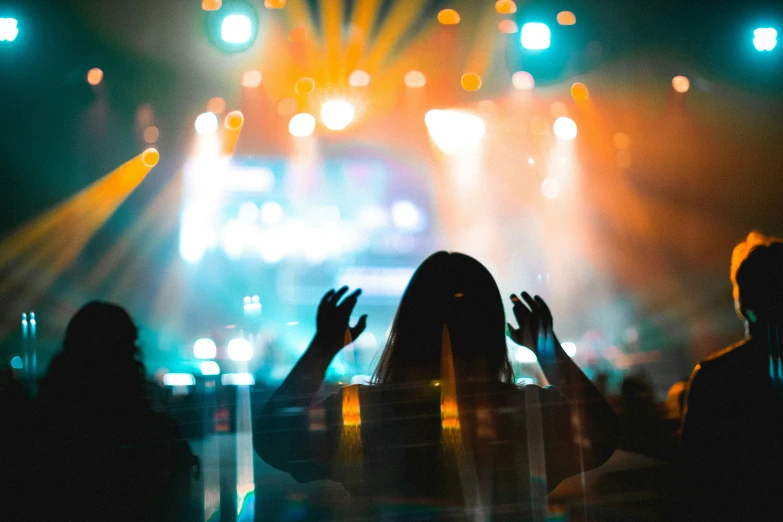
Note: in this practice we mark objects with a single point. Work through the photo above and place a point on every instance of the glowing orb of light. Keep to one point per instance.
(565, 128)
(506, 7)
(566, 18)
(301, 125)
(471, 81)
(211, 5)
(151, 134)
(210, 368)
(415, 79)
(216, 105)
(236, 29)
(448, 17)
(569, 348)
(94, 76)
(251, 79)
(240, 350)
(9, 29)
(274, 4)
(535, 36)
(579, 91)
(550, 188)
(234, 120)
(16, 363)
(454, 130)
(304, 85)
(271, 212)
(359, 78)
(681, 84)
(204, 349)
(206, 123)
(337, 114)
(406, 215)
(508, 26)
(765, 39)
(150, 157)
(621, 141)
(523, 80)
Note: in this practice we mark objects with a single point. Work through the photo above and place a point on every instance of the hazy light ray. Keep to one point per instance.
(397, 22)
(332, 22)
(312, 58)
(485, 40)
(364, 15)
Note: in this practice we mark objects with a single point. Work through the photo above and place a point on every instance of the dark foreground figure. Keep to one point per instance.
(732, 440)
(443, 433)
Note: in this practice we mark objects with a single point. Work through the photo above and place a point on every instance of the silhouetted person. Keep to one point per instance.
(14, 437)
(443, 431)
(101, 452)
(732, 439)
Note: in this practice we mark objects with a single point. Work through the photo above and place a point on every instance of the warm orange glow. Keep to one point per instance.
(485, 106)
(471, 81)
(624, 159)
(681, 84)
(538, 126)
(579, 91)
(415, 79)
(507, 26)
(298, 35)
(216, 105)
(304, 85)
(359, 78)
(211, 5)
(150, 157)
(251, 79)
(448, 17)
(523, 80)
(151, 134)
(235, 120)
(352, 414)
(286, 107)
(274, 4)
(621, 141)
(566, 18)
(449, 409)
(94, 76)
(506, 7)
(558, 109)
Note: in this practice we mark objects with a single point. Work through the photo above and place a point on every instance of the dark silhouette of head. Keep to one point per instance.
(757, 277)
(456, 291)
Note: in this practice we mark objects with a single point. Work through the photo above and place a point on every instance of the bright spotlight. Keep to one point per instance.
(179, 379)
(206, 123)
(406, 215)
(535, 36)
(565, 129)
(454, 130)
(16, 363)
(569, 348)
(9, 29)
(210, 368)
(337, 114)
(237, 379)
(236, 28)
(765, 38)
(204, 349)
(301, 125)
(240, 350)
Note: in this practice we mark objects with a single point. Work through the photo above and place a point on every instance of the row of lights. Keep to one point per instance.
(239, 349)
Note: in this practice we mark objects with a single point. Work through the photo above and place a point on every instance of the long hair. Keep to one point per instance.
(456, 291)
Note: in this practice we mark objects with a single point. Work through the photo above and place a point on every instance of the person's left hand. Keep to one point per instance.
(332, 327)
(535, 326)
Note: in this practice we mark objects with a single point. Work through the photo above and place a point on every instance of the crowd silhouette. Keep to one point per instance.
(440, 432)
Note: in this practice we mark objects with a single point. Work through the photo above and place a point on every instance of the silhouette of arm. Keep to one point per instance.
(697, 454)
(283, 434)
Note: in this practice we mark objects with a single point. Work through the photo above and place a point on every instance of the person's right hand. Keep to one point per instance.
(332, 327)
(535, 326)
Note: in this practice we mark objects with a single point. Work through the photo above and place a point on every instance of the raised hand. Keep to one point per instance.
(332, 326)
(535, 326)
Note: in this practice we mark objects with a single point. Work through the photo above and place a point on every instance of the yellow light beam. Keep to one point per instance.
(332, 21)
(364, 15)
(397, 22)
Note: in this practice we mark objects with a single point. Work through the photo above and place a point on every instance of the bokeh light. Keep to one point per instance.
(471, 81)
(301, 125)
(216, 105)
(240, 350)
(337, 114)
(206, 123)
(681, 84)
(565, 129)
(17, 363)
(487, 107)
(286, 107)
(236, 29)
(550, 188)
(359, 78)
(579, 91)
(566, 18)
(765, 39)
(304, 85)
(523, 80)
(298, 35)
(210, 368)
(251, 79)
(535, 36)
(151, 134)
(274, 4)
(415, 79)
(211, 5)
(506, 7)
(234, 120)
(271, 212)
(569, 348)
(448, 17)
(150, 157)
(454, 130)
(94, 76)
(621, 141)
(204, 349)
(508, 26)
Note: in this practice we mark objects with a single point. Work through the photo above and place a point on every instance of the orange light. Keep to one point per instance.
(235, 120)
(508, 27)
(448, 17)
(506, 7)
(216, 105)
(621, 141)
(274, 4)
(251, 79)
(151, 134)
(579, 91)
(558, 109)
(523, 80)
(286, 107)
(566, 18)
(298, 35)
(415, 79)
(211, 5)
(352, 413)
(150, 157)
(681, 84)
(471, 81)
(304, 85)
(624, 159)
(94, 76)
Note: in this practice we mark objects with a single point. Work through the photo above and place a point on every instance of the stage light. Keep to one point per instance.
(234, 120)
(206, 123)
(579, 91)
(234, 26)
(506, 6)
(9, 29)
(251, 79)
(415, 79)
(240, 350)
(150, 157)
(471, 81)
(237, 379)
(681, 84)
(301, 125)
(337, 114)
(304, 85)
(406, 216)
(569, 348)
(271, 212)
(179, 379)
(535, 36)
(454, 130)
(507, 26)
(448, 17)
(216, 105)
(359, 78)
(566, 18)
(550, 188)
(236, 29)
(523, 80)
(16, 363)
(274, 4)
(765, 39)
(531, 161)
(204, 349)
(94, 76)
(211, 5)
(151, 134)
(565, 129)
(522, 354)
(210, 368)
